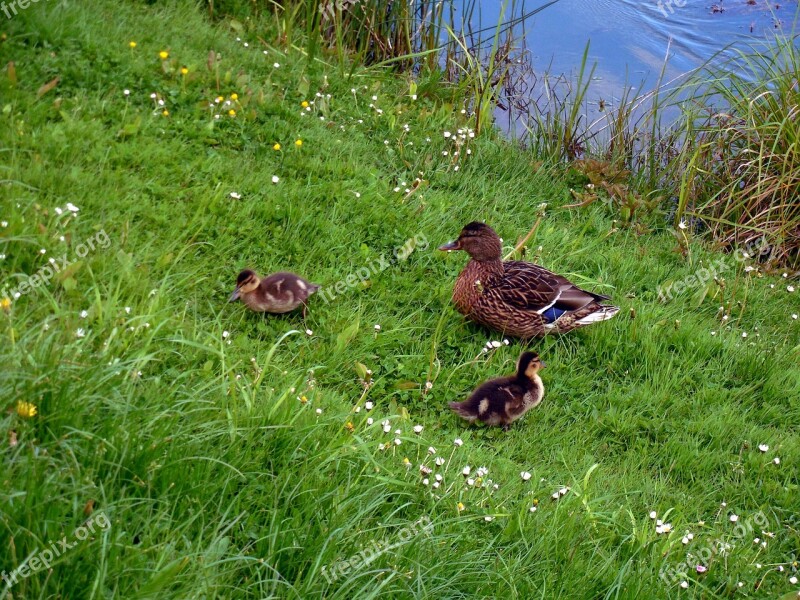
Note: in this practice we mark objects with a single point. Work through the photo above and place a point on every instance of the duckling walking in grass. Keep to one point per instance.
(503, 400)
(518, 298)
(279, 293)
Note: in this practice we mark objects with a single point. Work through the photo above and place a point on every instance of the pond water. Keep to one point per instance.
(630, 40)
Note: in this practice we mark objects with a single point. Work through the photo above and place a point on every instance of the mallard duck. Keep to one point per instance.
(278, 293)
(503, 400)
(518, 298)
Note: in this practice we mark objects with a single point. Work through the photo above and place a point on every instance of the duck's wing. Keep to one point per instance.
(515, 393)
(527, 286)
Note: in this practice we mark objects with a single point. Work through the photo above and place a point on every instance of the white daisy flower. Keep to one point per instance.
(418, 428)
(763, 447)
(525, 475)
(458, 442)
(275, 179)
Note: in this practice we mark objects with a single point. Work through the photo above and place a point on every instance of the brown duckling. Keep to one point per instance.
(515, 297)
(503, 400)
(277, 293)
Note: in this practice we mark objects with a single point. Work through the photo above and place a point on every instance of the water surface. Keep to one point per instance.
(630, 41)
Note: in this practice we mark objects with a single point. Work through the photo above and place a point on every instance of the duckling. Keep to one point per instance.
(505, 399)
(277, 293)
(518, 298)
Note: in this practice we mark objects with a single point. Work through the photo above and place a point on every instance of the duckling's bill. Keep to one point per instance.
(235, 295)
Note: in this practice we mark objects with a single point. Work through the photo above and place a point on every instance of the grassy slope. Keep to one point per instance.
(220, 483)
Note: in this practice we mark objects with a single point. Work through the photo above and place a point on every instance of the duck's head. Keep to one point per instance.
(528, 365)
(246, 282)
(479, 241)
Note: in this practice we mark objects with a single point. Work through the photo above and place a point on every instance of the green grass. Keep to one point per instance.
(217, 480)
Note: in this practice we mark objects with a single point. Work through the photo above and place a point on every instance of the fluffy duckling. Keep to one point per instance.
(278, 293)
(505, 399)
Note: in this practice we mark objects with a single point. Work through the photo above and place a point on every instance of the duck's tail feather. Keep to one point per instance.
(459, 409)
(603, 313)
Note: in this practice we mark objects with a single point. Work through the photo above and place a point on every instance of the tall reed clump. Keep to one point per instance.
(741, 152)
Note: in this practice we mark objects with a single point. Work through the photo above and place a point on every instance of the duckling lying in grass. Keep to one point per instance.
(279, 293)
(505, 399)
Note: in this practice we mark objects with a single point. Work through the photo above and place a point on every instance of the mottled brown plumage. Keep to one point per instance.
(278, 293)
(518, 298)
(503, 400)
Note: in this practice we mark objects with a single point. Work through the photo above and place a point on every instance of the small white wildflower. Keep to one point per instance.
(653, 514)
(428, 385)
(793, 580)
(397, 441)
(682, 225)
(447, 134)
(368, 405)
(734, 518)
(431, 450)
(776, 460)
(236, 196)
(309, 332)
(276, 65)
(417, 428)
(80, 332)
(126, 92)
(377, 327)
(533, 509)
(763, 447)
(466, 470)
(488, 518)
(225, 334)
(84, 314)
(319, 411)
(790, 288)
(370, 421)
(439, 461)
(458, 442)
(275, 179)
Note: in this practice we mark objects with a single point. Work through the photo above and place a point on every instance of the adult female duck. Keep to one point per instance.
(518, 298)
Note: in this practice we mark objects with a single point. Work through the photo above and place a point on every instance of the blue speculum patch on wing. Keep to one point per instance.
(552, 313)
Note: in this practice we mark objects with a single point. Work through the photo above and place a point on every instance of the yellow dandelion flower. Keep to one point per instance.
(164, 55)
(5, 303)
(298, 143)
(406, 461)
(276, 147)
(232, 112)
(349, 427)
(184, 71)
(132, 44)
(303, 400)
(218, 99)
(460, 506)
(304, 104)
(234, 96)
(165, 112)
(26, 409)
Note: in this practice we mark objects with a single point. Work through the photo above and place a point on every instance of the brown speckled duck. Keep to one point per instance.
(518, 298)
(503, 400)
(278, 293)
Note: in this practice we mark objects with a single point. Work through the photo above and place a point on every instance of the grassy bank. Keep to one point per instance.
(236, 456)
